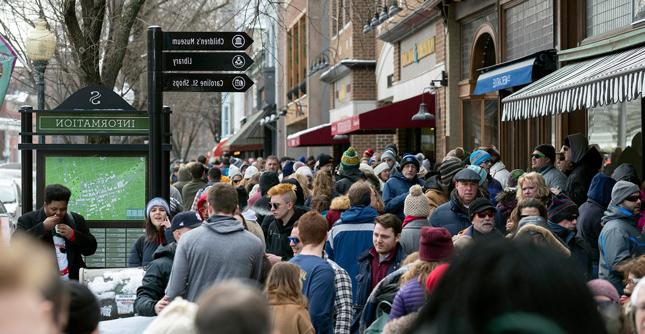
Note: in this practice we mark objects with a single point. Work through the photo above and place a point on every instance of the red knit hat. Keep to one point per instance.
(435, 244)
(435, 276)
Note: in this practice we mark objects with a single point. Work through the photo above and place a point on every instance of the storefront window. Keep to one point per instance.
(614, 128)
(427, 140)
(491, 122)
(472, 124)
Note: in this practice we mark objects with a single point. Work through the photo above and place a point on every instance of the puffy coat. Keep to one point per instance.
(153, 286)
(435, 193)
(395, 191)
(619, 240)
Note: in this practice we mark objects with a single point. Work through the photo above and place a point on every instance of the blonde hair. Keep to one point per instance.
(302, 179)
(287, 189)
(284, 285)
(537, 180)
(420, 270)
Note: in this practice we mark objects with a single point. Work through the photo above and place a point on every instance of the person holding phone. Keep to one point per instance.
(65, 231)
(155, 224)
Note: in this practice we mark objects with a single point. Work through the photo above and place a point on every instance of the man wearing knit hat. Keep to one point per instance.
(542, 161)
(349, 172)
(398, 186)
(416, 210)
(439, 186)
(620, 239)
(454, 215)
(562, 221)
(484, 160)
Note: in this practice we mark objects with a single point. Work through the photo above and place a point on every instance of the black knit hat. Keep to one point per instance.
(268, 180)
(548, 150)
(324, 159)
(561, 209)
(84, 309)
(479, 205)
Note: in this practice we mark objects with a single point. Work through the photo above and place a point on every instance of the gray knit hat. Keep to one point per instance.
(416, 203)
(622, 190)
(388, 154)
(448, 168)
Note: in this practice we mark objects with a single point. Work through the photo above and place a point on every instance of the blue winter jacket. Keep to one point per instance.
(494, 188)
(349, 237)
(454, 216)
(395, 191)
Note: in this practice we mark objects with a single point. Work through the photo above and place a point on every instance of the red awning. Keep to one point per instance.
(316, 136)
(392, 116)
(218, 150)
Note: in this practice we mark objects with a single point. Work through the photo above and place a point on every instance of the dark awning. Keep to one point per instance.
(248, 137)
(390, 117)
(316, 136)
(515, 73)
(596, 82)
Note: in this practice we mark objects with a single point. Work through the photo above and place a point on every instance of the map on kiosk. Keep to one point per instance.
(104, 188)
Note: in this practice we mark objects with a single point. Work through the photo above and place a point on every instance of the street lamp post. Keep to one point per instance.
(40, 46)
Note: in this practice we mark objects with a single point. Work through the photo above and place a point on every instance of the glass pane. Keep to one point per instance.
(607, 15)
(491, 122)
(427, 141)
(472, 124)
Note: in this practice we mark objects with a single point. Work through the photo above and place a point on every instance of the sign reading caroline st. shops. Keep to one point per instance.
(115, 123)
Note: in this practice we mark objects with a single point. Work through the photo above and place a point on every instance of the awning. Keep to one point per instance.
(316, 136)
(515, 73)
(390, 117)
(218, 150)
(249, 137)
(596, 82)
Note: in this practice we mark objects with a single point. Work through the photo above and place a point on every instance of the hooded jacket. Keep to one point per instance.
(626, 172)
(155, 280)
(435, 193)
(453, 215)
(395, 191)
(337, 207)
(277, 236)
(591, 212)
(346, 179)
(619, 240)
(586, 163)
(499, 172)
(350, 237)
(219, 249)
(580, 251)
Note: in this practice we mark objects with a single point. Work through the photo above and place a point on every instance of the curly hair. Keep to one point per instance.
(634, 266)
(543, 192)
(323, 185)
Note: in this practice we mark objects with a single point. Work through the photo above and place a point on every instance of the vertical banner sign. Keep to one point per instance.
(7, 60)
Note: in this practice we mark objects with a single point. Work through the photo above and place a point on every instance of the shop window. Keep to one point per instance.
(428, 141)
(481, 123)
(607, 15)
(296, 69)
(613, 128)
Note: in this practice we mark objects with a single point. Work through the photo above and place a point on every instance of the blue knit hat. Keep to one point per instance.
(480, 171)
(479, 156)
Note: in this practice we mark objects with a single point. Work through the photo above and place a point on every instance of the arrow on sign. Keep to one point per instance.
(206, 41)
(206, 61)
(206, 82)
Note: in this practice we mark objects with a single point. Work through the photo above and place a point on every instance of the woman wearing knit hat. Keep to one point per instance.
(416, 209)
(155, 224)
(382, 171)
(435, 247)
(349, 172)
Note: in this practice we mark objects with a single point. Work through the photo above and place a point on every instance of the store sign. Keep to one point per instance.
(418, 51)
(114, 123)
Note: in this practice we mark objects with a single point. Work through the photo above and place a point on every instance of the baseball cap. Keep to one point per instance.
(188, 219)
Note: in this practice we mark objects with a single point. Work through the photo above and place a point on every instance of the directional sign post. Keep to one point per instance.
(206, 41)
(206, 82)
(206, 61)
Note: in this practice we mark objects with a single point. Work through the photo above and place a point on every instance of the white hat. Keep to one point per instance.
(365, 168)
(177, 317)
(304, 170)
(380, 168)
(232, 171)
(250, 172)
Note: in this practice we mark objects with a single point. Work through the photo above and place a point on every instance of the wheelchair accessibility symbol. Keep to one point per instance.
(238, 61)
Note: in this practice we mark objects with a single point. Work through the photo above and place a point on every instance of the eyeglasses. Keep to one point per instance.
(237, 181)
(294, 240)
(633, 198)
(484, 214)
(537, 155)
(275, 206)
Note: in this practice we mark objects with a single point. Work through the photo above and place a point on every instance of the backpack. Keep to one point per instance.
(382, 317)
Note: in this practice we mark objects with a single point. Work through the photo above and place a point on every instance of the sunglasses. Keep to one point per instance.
(294, 240)
(537, 155)
(633, 198)
(487, 213)
(237, 181)
(275, 206)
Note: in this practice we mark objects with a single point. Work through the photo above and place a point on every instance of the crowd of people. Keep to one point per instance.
(380, 242)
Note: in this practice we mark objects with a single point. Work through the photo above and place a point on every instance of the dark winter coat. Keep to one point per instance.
(411, 234)
(385, 291)
(278, 233)
(346, 179)
(84, 243)
(142, 252)
(580, 251)
(591, 212)
(153, 286)
(395, 191)
(454, 216)
(493, 188)
(583, 172)
(364, 277)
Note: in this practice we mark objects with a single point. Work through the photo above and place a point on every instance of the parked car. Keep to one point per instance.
(10, 197)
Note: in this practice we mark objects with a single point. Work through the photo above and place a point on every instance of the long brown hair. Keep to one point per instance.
(323, 184)
(284, 286)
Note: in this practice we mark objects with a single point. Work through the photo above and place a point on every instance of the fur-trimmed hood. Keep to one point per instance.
(531, 231)
(340, 203)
